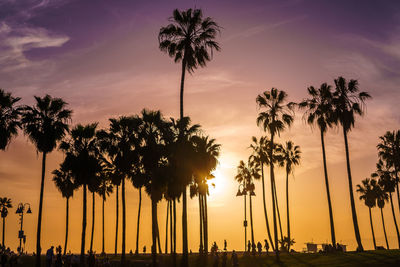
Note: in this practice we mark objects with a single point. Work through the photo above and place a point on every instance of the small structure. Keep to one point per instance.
(312, 248)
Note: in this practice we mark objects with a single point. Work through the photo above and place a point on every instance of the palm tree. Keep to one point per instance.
(5, 204)
(260, 154)
(367, 192)
(104, 190)
(189, 39)
(83, 161)
(388, 183)
(63, 181)
(349, 102)
(245, 175)
(121, 147)
(46, 124)
(389, 151)
(319, 110)
(9, 118)
(277, 116)
(291, 157)
(381, 198)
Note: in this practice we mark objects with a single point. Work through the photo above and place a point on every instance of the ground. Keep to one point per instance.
(368, 258)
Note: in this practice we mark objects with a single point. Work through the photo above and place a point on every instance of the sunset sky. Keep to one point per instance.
(102, 57)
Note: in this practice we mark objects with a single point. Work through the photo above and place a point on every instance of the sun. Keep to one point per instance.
(216, 184)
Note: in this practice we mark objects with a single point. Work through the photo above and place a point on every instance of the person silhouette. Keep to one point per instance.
(144, 249)
(49, 256)
(248, 246)
(259, 248)
(234, 259)
(266, 245)
(225, 244)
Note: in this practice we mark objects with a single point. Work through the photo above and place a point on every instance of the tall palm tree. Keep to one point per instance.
(206, 156)
(5, 204)
(319, 110)
(291, 157)
(277, 115)
(83, 161)
(9, 118)
(381, 198)
(93, 188)
(260, 154)
(104, 190)
(122, 141)
(246, 173)
(349, 102)
(46, 124)
(367, 190)
(63, 181)
(189, 39)
(388, 183)
(389, 151)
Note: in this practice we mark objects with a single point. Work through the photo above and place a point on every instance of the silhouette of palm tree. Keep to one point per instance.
(260, 154)
(245, 174)
(348, 102)
(122, 143)
(367, 190)
(45, 123)
(104, 191)
(381, 198)
(83, 161)
(63, 181)
(93, 187)
(389, 151)
(388, 183)
(5, 204)
(9, 118)
(274, 119)
(189, 39)
(319, 110)
(291, 157)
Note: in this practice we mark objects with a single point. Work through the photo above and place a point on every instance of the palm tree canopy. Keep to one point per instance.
(367, 190)
(83, 158)
(246, 173)
(63, 181)
(277, 114)
(291, 155)
(9, 118)
(389, 149)
(385, 175)
(319, 109)
(348, 102)
(46, 122)
(105, 188)
(5, 204)
(261, 148)
(189, 37)
(381, 196)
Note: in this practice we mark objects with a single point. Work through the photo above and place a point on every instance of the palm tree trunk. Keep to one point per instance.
(265, 207)
(158, 239)
(39, 225)
(384, 229)
(201, 223)
(277, 210)
(82, 258)
(116, 222)
(287, 209)
(154, 232)
(245, 223)
(372, 227)
(166, 229)
(170, 227)
(251, 227)
(123, 223)
(66, 226)
(394, 218)
(4, 228)
(138, 221)
(353, 206)
(93, 220)
(271, 167)
(174, 252)
(328, 192)
(397, 187)
(102, 212)
(205, 214)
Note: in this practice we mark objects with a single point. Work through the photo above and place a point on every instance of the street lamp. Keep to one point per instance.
(243, 193)
(20, 210)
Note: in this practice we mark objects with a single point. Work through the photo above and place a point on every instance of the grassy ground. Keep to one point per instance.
(369, 258)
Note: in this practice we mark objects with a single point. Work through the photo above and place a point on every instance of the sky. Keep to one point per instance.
(102, 57)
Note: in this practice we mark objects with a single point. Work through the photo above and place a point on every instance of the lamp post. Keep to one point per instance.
(238, 194)
(20, 210)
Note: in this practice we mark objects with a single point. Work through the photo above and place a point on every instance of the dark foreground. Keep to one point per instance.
(368, 258)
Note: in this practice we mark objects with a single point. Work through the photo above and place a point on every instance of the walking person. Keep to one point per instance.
(49, 256)
(259, 248)
(266, 246)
